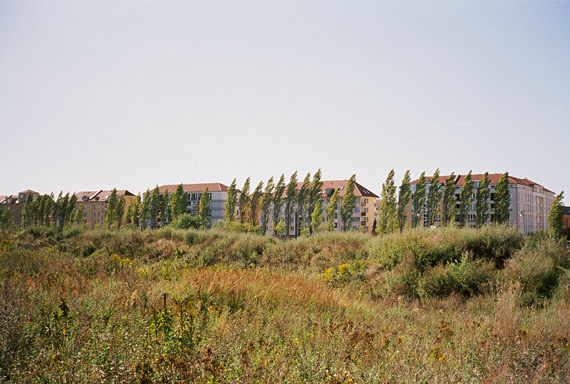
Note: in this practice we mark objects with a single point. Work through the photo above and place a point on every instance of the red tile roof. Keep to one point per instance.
(493, 180)
(359, 190)
(27, 192)
(100, 195)
(212, 187)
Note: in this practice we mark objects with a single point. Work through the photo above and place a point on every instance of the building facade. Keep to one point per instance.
(15, 204)
(218, 197)
(528, 210)
(94, 205)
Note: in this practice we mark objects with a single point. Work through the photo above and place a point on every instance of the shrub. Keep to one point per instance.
(466, 277)
(186, 221)
(537, 268)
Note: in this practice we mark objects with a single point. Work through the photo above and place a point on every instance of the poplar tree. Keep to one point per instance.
(317, 215)
(290, 202)
(120, 212)
(165, 209)
(448, 202)
(556, 217)
(387, 209)
(332, 209)
(466, 198)
(348, 204)
(254, 203)
(278, 200)
(71, 205)
(230, 205)
(502, 199)
(266, 204)
(315, 194)
(178, 202)
(154, 207)
(482, 201)
(145, 209)
(27, 212)
(78, 216)
(204, 211)
(302, 200)
(433, 199)
(57, 210)
(110, 208)
(244, 201)
(404, 195)
(419, 200)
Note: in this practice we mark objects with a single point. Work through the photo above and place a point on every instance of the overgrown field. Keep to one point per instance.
(428, 306)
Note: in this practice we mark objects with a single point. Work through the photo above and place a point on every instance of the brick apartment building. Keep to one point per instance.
(94, 205)
(15, 204)
(529, 208)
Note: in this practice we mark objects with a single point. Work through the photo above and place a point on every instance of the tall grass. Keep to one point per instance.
(212, 306)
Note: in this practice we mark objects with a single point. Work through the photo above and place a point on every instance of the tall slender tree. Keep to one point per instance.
(303, 197)
(178, 202)
(433, 199)
(28, 211)
(317, 215)
(231, 203)
(387, 209)
(556, 217)
(466, 199)
(266, 204)
(332, 210)
(165, 209)
(145, 210)
(243, 202)
(111, 208)
(254, 203)
(404, 196)
(154, 207)
(448, 201)
(502, 199)
(482, 201)
(348, 204)
(314, 194)
(419, 200)
(290, 202)
(204, 211)
(120, 211)
(278, 200)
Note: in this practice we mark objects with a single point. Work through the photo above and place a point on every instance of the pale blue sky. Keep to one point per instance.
(130, 94)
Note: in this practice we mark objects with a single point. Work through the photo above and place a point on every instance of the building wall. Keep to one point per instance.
(529, 207)
(94, 211)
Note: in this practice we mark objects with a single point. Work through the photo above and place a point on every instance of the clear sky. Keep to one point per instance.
(134, 93)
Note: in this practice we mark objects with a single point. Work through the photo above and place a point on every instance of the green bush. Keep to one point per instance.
(186, 221)
(537, 267)
(466, 277)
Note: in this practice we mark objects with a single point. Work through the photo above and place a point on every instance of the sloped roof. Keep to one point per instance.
(100, 195)
(359, 190)
(28, 192)
(201, 187)
(493, 180)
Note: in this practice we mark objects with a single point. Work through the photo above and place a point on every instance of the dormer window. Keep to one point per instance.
(84, 198)
(329, 192)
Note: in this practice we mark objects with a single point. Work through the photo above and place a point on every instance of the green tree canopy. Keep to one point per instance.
(448, 201)
(348, 204)
(466, 199)
(433, 199)
(231, 203)
(419, 200)
(243, 203)
(482, 201)
(332, 210)
(502, 199)
(204, 211)
(404, 196)
(556, 216)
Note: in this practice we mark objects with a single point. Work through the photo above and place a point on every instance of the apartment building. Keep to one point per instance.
(566, 217)
(218, 197)
(364, 212)
(529, 208)
(15, 204)
(94, 205)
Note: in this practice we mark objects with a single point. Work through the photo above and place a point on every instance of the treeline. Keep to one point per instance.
(436, 201)
(289, 209)
(46, 210)
(158, 210)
